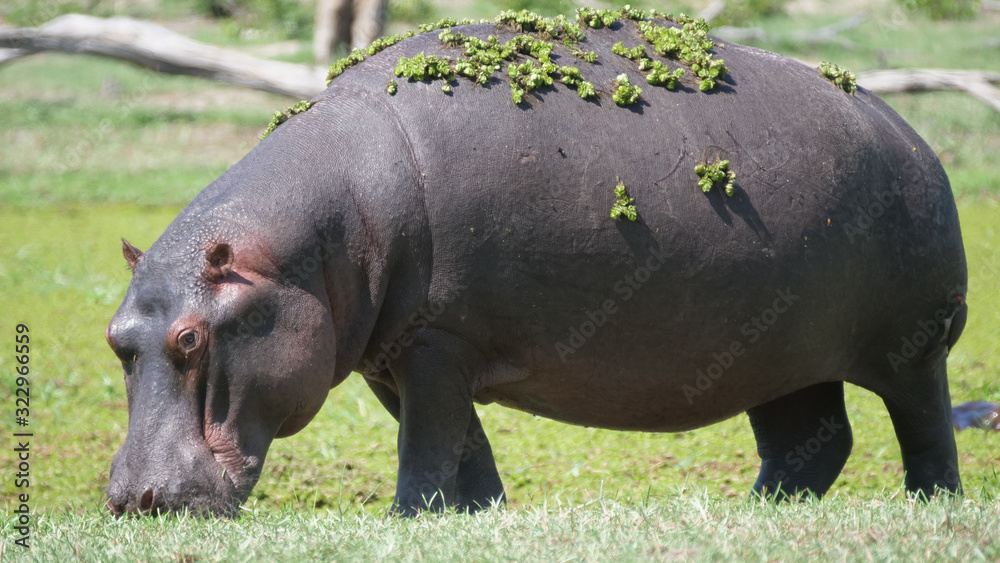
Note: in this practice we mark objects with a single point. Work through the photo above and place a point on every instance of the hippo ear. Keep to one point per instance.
(220, 262)
(131, 254)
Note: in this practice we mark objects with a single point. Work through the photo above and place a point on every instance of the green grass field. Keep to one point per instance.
(94, 150)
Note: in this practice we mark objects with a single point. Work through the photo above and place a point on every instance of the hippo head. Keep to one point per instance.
(221, 355)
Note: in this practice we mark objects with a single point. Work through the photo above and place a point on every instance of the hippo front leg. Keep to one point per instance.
(445, 459)
(478, 485)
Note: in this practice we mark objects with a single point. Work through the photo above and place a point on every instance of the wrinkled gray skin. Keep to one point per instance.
(458, 248)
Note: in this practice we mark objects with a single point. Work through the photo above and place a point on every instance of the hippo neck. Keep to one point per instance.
(335, 217)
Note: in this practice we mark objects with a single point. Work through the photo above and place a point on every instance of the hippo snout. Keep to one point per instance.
(195, 485)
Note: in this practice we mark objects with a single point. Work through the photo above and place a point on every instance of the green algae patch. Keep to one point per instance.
(529, 76)
(527, 56)
(717, 172)
(445, 23)
(555, 28)
(571, 76)
(283, 116)
(689, 43)
(625, 93)
(623, 205)
(661, 75)
(358, 55)
(588, 56)
(597, 18)
(424, 67)
(529, 67)
(840, 76)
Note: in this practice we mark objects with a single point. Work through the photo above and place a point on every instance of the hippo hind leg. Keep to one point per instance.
(803, 440)
(478, 485)
(920, 409)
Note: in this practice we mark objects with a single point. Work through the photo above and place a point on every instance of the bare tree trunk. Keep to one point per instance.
(351, 23)
(333, 27)
(369, 15)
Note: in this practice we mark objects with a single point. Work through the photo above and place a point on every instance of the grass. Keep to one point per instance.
(94, 150)
(689, 524)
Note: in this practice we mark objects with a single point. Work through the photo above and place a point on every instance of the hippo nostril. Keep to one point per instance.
(116, 509)
(146, 502)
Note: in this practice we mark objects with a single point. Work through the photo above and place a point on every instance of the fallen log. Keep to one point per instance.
(974, 82)
(157, 48)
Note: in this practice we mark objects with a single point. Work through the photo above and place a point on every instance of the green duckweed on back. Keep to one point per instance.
(714, 173)
(527, 56)
(623, 205)
(283, 116)
(625, 94)
(840, 76)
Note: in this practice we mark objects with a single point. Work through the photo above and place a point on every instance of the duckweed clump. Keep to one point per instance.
(597, 18)
(283, 116)
(689, 43)
(625, 93)
(424, 67)
(716, 172)
(845, 79)
(358, 55)
(482, 58)
(572, 77)
(623, 205)
(444, 23)
(636, 53)
(662, 76)
(588, 56)
(525, 21)
(528, 76)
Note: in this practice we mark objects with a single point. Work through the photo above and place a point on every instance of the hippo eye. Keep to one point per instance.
(188, 340)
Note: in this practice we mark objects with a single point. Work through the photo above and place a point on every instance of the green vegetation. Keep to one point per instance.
(845, 79)
(714, 173)
(625, 94)
(285, 19)
(689, 43)
(572, 77)
(481, 58)
(746, 12)
(623, 205)
(685, 522)
(943, 9)
(283, 116)
(358, 55)
(661, 75)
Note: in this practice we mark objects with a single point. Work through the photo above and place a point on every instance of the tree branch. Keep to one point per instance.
(155, 47)
(975, 82)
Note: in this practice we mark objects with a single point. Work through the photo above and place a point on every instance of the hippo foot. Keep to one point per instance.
(803, 440)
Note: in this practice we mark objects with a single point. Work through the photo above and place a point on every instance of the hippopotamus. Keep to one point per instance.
(454, 245)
